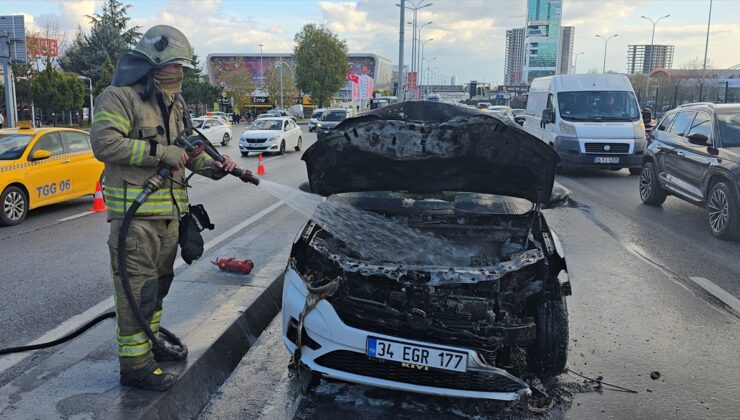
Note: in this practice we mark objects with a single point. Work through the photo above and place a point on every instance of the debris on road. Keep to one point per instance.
(655, 375)
(234, 265)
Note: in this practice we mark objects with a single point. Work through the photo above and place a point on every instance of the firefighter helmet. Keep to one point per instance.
(164, 44)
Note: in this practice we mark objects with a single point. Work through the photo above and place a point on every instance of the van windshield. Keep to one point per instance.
(598, 106)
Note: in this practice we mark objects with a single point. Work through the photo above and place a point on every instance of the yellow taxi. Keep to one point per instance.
(42, 166)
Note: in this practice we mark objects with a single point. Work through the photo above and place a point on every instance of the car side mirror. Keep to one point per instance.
(558, 197)
(699, 139)
(305, 187)
(40, 154)
(548, 116)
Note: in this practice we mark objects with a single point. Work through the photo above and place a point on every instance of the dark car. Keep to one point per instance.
(694, 154)
(329, 119)
(470, 328)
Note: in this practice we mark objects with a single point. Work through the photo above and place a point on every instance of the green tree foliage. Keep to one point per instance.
(196, 91)
(109, 39)
(290, 90)
(321, 62)
(54, 91)
(106, 75)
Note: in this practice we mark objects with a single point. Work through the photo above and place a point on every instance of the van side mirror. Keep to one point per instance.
(548, 116)
(699, 139)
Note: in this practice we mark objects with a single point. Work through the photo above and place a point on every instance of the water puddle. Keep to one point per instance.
(371, 235)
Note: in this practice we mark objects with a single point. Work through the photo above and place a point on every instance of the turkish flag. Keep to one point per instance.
(353, 78)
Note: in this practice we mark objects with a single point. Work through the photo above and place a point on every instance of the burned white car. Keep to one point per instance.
(465, 318)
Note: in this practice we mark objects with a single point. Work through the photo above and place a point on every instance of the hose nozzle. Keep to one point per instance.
(246, 176)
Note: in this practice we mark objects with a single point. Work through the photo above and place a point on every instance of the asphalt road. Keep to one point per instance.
(54, 269)
(635, 314)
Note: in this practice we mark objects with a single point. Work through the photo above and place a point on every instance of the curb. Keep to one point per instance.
(190, 395)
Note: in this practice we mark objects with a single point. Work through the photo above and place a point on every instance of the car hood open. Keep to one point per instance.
(428, 147)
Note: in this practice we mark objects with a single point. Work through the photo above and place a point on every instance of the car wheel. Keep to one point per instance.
(549, 353)
(722, 212)
(300, 143)
(282, 148)
(245, 154)
(226, 139)
(635, 171)
(651, 193)
(14, 206)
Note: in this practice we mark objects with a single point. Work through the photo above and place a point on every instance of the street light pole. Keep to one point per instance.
(401, 34)
(262, 71)
(575, 65)
(282, 105)
(652, 53)
(421, 63)
(706, 46)
(415, 7)
(606, 43)
(91, 97)
(418, 41)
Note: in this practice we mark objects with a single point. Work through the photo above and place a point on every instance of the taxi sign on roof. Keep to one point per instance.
(25, 125)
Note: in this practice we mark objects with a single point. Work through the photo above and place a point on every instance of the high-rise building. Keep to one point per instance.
(514, 58)
(565, 52)
(646, 58)
(542, 38)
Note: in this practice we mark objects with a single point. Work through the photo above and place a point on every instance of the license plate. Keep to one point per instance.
(417, 357)
(602, 159)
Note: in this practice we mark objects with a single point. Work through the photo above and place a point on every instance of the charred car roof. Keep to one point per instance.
(428, 147)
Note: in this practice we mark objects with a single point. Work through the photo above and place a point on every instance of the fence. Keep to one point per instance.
(664, 98)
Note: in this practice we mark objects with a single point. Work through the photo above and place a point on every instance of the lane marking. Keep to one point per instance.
(76, 216)
(718, 292)
(71, 324)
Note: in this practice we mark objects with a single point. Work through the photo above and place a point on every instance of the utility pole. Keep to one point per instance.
(91, 97)
(706, 46)
(282, 105)
(401, 76)
(652, 52)
(262, 71)
(606, 43)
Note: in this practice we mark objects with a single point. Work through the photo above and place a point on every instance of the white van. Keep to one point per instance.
(589, 119)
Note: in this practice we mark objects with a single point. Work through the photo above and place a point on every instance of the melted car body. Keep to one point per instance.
(465, 329)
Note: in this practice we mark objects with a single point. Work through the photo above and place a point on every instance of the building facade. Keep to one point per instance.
(565, 54)
(542, 38)
(643, 59)
(514, 58)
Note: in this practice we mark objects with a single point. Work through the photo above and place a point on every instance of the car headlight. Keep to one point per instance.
(639, 131)
(318, 124)
(276, 138)
(567, 129)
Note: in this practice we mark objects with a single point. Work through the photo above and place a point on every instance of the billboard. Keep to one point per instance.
(42, 47)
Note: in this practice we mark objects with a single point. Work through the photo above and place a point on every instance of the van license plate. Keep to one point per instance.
(602, 159)
(417, 357)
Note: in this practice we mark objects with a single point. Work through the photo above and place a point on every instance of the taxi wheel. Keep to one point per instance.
(225, 140)
(14, 206)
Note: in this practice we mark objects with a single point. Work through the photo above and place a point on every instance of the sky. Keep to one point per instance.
(468, 35)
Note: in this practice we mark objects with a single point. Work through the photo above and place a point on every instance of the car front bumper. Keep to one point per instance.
(339, 351)
(572, 155)
(245, 147)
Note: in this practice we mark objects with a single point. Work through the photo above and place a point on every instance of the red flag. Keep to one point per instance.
(353, 78)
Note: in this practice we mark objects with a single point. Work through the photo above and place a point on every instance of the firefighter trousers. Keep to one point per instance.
(151, 247)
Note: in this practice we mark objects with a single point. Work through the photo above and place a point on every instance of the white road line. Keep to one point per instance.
(106, 305)
(76, 216)
(718, 292)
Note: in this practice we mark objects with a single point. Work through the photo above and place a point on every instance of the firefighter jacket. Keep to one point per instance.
(129, 135)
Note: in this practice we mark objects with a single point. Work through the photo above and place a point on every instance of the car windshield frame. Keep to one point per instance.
(727, 131)
(14, 151)
(342, 115)
(264, 121)
(591, 106)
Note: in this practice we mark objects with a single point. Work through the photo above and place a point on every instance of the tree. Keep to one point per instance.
(289, 89)
(109, 39)
(238, 83)
(106, 76)
(54, 91)
(321, 62)
(196, 91)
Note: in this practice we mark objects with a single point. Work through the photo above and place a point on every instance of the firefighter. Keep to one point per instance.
(136, 121)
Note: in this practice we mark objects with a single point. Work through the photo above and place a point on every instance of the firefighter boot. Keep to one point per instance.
(150, 377)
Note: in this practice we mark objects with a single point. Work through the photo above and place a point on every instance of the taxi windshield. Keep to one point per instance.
(13, 145)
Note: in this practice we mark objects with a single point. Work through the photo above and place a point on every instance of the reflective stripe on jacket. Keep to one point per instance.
(129, 135)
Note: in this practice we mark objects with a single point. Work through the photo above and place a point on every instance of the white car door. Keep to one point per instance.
(288, 135)
(295, 132)
(219, 129)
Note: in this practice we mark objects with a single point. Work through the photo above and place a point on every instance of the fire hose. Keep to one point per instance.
(193, 147)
